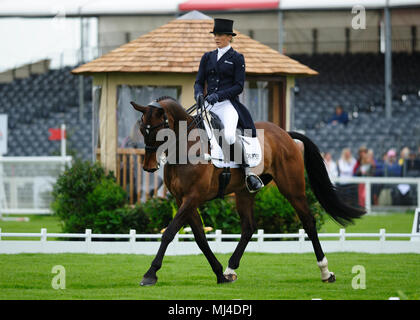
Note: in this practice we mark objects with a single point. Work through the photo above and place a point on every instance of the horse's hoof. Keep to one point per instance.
(231, 277)
(223, 279)
(230, 274)
(148, 281)
(330, 279)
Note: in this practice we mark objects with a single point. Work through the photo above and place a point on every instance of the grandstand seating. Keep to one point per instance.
(356, 82)
(43, 101)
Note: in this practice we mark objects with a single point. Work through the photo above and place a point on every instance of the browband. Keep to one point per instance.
(154, 104)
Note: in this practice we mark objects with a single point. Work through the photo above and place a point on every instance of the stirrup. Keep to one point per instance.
(246, 184)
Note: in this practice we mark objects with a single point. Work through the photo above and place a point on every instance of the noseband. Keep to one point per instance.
(149, 128)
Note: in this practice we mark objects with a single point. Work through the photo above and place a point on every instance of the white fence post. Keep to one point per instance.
(342, 234)
(260, 235)
(43, 239)
(132, 240)
(260, 239)
(88, 235)
(368, 196)
(218, 238)
(342, 238)
(301, 239)
(382, 239)
(88, 239)
(63, 140)
(301, 235)
(43, 235)
(418, 194)
(132, 235)
(382, 235)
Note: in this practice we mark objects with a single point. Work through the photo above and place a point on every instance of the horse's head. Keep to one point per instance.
(153, 119)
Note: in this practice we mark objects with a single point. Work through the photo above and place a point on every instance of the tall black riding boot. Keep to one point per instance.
(252, 181)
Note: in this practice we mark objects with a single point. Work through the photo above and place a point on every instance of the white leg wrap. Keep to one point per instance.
(323, 265)
(229, 271)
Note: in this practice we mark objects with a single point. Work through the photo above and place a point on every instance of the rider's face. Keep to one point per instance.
(222, 40)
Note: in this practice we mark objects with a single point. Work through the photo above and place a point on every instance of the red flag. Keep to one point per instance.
(55, 134)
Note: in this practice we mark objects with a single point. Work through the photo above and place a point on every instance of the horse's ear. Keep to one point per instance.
(138, 107)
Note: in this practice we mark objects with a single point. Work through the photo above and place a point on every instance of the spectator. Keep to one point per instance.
(346, 163)
(366, 168)
(404, 157)
(330, 165)
(361, 154)
(340, 116)
(380, 166)
(392, 168)
(412, 166)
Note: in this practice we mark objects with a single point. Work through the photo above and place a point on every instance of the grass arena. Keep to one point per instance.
(188, 277)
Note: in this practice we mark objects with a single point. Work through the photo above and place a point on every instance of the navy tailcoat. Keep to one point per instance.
(225, 77)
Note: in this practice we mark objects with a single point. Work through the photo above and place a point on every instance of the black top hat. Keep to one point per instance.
(223, 26)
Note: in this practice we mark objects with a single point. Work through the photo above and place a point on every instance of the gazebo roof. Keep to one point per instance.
(178, 47)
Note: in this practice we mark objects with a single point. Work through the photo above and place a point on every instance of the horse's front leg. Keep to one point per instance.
(245, 207)
(185, 211)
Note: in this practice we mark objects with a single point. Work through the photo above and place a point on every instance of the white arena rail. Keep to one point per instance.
(133, 243)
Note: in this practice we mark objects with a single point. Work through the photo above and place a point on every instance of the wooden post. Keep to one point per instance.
(124, 178)
(131, 178)
(138, 178)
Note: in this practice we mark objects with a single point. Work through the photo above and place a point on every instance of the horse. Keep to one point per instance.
(194, 184)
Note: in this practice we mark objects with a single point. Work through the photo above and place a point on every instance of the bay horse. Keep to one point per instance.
(194, 184)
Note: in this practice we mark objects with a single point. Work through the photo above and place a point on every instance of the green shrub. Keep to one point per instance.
(221, 214)
(159, 212)
(272, 211)
(275, 214)
(83, 196)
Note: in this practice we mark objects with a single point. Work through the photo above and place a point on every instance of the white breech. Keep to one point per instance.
(229, 117)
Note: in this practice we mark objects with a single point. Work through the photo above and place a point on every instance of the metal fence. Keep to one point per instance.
(405, 185)
(26, 183)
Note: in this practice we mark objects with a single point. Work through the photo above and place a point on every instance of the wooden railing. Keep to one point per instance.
(139, 184)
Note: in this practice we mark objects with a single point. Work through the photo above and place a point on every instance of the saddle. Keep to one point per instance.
(251, 145)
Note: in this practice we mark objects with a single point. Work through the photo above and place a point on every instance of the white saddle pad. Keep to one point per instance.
(252, 151)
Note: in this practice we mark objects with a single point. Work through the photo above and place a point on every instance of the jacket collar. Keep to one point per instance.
(227, 55)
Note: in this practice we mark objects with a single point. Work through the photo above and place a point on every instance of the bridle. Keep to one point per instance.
(149, 128)
(165, 123)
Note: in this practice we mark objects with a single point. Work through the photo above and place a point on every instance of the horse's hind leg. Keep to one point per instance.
(245, 207)
(201, 240)
(298, 200)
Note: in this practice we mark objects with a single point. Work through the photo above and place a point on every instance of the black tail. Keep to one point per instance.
(321, 184)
